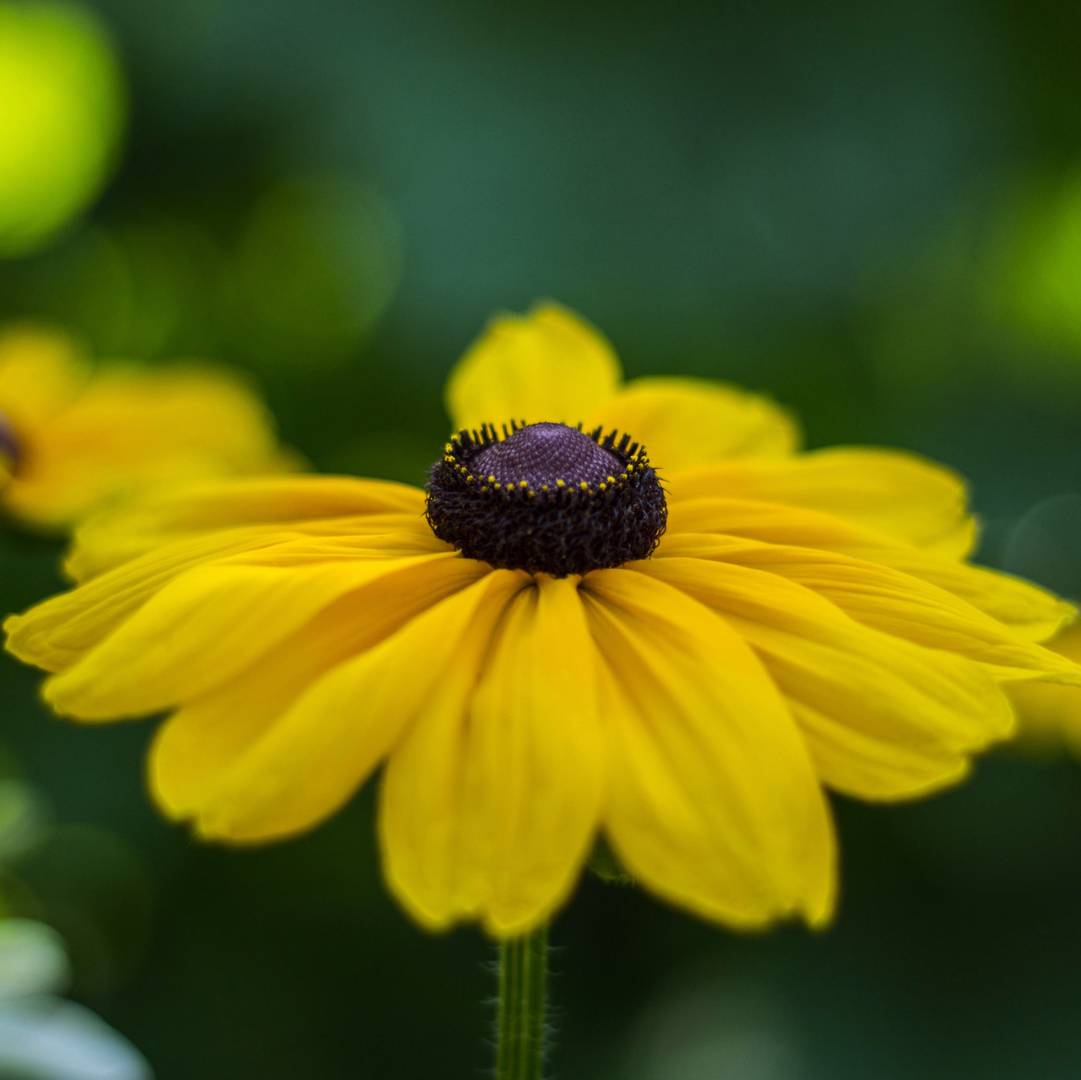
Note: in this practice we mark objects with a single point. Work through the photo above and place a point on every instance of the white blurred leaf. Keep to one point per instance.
(49, 1039)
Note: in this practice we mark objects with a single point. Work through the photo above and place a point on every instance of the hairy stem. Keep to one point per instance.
(523, 997)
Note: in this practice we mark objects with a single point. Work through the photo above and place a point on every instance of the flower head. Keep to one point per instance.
(546, 498)
(73, 437)
(681, 660)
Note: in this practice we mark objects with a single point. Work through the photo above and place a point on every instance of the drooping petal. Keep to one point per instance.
(205, 627)
(547, 365)
(687, 423)
(489, 810)
(297, 502)
(898, 603)
(1027, 609)
(198, 744)
(713, 802)
(311, 760)
(895, 493)
(883, 718)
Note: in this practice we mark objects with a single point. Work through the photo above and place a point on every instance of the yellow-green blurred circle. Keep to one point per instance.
(1034, 265)
(62, 107)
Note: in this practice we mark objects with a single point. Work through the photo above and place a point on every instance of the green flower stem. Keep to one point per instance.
(523, 999)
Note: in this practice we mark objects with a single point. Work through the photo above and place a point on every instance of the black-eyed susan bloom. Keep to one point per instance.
(631, 611)
(75, 436)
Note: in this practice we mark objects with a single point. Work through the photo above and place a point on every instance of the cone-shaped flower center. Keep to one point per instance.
(10, 450)
(546, 498)
(546, 453)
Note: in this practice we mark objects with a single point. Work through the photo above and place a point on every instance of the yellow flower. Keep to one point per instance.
(73, 437)
(807, 621)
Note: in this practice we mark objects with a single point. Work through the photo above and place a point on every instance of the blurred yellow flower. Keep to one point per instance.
(73, 437)
(62, 108)
(682, 670)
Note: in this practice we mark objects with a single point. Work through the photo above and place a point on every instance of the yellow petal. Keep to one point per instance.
(895, 493)
(40, 373)
(860, 762)
(547, 365)
(196, 746)
(899, 603)
(1048, 713)
(376, 536)
(768, 522)
(201, 630)
(685, 423)
(132, 428)
(310, 761)
(914, 714)
(490, 810)
(296, 502)
(1027, 609)
(56, 633)
(713, 802)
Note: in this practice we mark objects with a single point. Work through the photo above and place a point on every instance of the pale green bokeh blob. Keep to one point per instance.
(62, 108)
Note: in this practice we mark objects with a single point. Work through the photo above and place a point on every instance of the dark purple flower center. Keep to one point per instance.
(544, 454)
(546, 498)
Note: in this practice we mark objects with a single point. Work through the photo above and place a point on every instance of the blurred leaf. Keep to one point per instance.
(33, 960)
(22, 818)
(47, 1039)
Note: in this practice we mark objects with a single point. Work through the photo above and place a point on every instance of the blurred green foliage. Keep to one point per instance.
(870, 212)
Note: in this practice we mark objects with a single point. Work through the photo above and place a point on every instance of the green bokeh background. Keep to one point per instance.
(872, 213)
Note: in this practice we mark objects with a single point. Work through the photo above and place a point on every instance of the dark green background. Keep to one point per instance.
(865, 210)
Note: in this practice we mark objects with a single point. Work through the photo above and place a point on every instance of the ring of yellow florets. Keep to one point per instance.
(546, 498)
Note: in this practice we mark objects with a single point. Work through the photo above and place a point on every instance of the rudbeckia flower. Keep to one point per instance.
(632, 611)
(74, 436)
